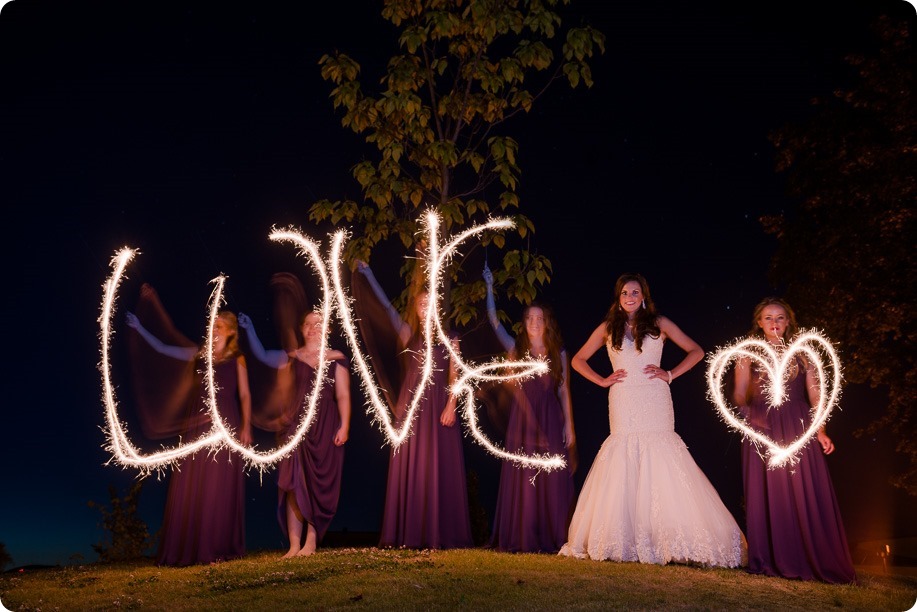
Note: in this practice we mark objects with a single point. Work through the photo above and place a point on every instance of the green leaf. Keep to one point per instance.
(497, 147)
(364, 172)
(412, 38)
(571, 71)
(508, 199)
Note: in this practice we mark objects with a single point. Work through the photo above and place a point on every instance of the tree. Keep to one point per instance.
(127, 535)
(467, 67)
(847, 255)
(5, 558)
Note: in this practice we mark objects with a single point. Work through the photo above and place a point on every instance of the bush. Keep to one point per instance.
(127, 536)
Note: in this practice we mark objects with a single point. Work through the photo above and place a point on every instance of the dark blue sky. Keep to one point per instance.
(188, 130)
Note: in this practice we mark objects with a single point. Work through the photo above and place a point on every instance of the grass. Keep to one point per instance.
(475, 579)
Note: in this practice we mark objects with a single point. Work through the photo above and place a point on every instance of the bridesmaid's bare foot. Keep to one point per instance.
(311, 542)
(290, 554)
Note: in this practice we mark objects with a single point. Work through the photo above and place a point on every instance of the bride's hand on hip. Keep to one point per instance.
(654, 371)
(615, 378)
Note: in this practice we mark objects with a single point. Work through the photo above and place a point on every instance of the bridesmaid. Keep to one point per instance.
(204, 519)
(426, 497)
(793, 522)
(309, 480)
(533, 510)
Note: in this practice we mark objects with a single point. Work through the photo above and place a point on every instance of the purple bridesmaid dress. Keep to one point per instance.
(426, 498)
(312, 473)
(794, 526)
(533, 515)
(204, 519)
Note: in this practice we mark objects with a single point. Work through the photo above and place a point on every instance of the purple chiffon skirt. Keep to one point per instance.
(794, 525)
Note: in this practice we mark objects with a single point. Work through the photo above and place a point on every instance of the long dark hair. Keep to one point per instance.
(645, 318)
(553, 343)
(791, 327)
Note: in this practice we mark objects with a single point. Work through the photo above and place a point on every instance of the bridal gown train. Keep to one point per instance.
(645, 499)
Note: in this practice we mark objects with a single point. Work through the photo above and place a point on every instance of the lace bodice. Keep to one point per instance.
(629, 359)
(638, 403)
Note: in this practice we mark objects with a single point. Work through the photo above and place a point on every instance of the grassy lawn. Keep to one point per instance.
(374, 579)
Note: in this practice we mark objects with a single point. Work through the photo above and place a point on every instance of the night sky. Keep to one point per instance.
(188, 130)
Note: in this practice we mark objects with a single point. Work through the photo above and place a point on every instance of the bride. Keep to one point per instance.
(644, 498)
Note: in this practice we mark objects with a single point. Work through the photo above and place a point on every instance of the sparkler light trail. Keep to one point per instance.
(334, 299)
(436, 260)
(117, 441)
(219, 436)
(776, 364)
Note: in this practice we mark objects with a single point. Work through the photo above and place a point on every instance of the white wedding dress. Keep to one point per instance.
(644, 498)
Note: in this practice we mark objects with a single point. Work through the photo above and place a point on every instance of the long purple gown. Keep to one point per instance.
(794, 526)
(426, 497)
(204, 519)
(534, 517)
(312, 473)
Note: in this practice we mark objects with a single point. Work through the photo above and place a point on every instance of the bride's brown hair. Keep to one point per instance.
(645, 318)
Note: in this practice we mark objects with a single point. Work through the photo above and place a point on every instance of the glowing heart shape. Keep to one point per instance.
(776, 362)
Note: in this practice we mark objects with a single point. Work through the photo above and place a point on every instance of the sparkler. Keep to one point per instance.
(219, 436)
(334, 299)
(436, 260)
(118, 442)
(816, 348)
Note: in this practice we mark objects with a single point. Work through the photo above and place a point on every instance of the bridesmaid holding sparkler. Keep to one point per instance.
(793, 522)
